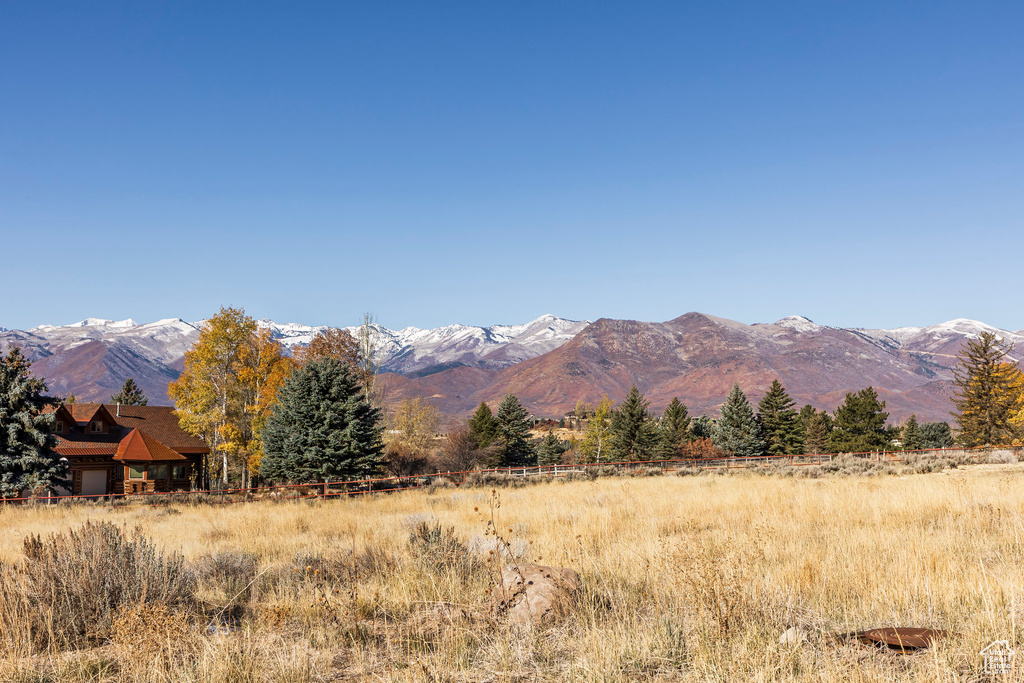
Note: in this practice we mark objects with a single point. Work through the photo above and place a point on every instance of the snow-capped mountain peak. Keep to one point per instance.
(417, 350)
(964, 326)
(798, 323)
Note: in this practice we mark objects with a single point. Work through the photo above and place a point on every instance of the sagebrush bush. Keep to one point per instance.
(437, 546)
(1002, 458)
(230, 572)
(77, 581)
(493, 479)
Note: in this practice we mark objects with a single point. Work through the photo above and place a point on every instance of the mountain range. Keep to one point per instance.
(91, 358)
(551, 363)
(699, 357)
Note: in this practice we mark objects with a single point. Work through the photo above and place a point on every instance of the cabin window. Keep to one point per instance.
(158, 472)
(180, 471)
(136, 471)
(96, 427)
(59, 426)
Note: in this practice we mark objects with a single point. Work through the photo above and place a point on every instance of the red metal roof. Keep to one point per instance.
(81, 448)
(139, 445)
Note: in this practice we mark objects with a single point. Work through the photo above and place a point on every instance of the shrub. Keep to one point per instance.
(438, 546)
(230, 572)
(78, 580)
(1002, 457)
(494, 480)
(141, 633)
(577, 475)
(646, 472)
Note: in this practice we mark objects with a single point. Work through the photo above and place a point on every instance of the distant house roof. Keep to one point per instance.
(159, 422)
(88, 412)
(82, 448)
(139, 445)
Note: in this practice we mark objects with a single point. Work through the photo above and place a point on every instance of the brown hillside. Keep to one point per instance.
(698, 357)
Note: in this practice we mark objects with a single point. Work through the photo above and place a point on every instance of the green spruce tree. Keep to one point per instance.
(780, 426)
(674, 429)
(130, 394)
(737, 432)
(322, 428)
(28, 461)
(817, 433)
(514, 430)
(910, 435)
(633, 434)
(550, 450)
(483, 427)
(805, 415)
(860, 424)
(936, 435)
(702, 427)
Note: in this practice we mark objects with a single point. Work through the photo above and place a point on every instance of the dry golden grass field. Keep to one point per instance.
(683, 578)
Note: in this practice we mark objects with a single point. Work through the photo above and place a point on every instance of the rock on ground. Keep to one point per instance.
(794, 635)
(532, 594)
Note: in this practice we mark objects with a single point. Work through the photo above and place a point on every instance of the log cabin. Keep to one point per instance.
(114, 449)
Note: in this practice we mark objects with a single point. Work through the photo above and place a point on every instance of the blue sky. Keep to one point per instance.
(857, 163)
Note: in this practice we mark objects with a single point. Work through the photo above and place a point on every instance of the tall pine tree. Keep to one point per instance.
(514, 428)
(737, 432)
(27, 459)
(910, 435)
(985, 392)
(550, 450)
(483, 427)
(674, 429)
(780, 426)
(936, 435)
(130, 394)
(633, 434)
(860, 424)
(322, 427)
(702, 427)
(817, 432)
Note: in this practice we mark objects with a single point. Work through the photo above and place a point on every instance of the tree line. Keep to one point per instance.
(323, 414)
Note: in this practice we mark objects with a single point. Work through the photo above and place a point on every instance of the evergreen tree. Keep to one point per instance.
(633, 433)
(860, 424)
(550, 450)
(322, 428)
(910, 435)
(805, 415)
(985, 392)
(780, 426)
(674, 429)
(702, 427)
(514, 429)
(27, 459)
(936, 435)
(737, 432)
(817, 433)
(483, 427)
(130, 394)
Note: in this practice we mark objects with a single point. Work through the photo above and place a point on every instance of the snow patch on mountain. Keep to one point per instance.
(798, 323)
(413, 349)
